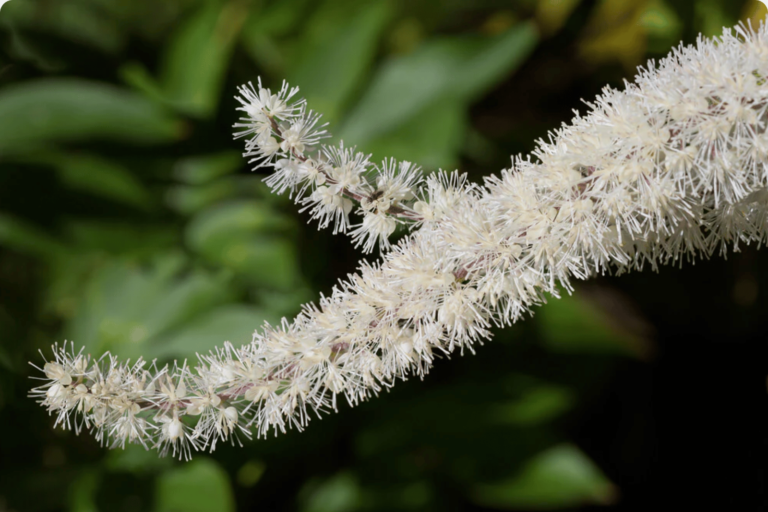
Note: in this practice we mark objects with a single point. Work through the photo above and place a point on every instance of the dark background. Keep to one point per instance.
(129, 222)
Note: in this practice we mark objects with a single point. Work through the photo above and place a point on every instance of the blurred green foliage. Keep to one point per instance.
(130, 223)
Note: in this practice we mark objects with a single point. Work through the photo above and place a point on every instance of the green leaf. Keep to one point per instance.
(202, 188)
(135, 458)
(250, 473)
(101, 177)
(537, 405)
(286, 302)
(402, 88)
(334, 66)
(233, 219)
(233, 234)
(662, 24)
(202, 169)
(234, 323)
(458, 68)
(126, 308)
(95, 175)
(573, 324)
(197, 59)
(433, 138)
(119, 237)
(137, 76)
(82, 492)
(489, 62)
(197, 486)
(712, 16)
(22, 47)
(191, 199)
(73, 20)
(262, 28)
(60, 109)
(276, 18)
(24, 237)
(559, 477)
(265, 261)
(340, 493)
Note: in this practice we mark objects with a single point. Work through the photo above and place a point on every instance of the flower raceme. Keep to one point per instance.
(673, 167)
(327, 181)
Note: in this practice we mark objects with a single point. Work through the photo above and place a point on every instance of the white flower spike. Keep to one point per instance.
(675, 166)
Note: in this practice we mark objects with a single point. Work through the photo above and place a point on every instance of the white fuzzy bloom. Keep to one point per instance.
(327, 204)
(376, 227)
(302, 134)
(58, 373)
(286, 176)
(674, 166)
(286, 137)
(260, 103)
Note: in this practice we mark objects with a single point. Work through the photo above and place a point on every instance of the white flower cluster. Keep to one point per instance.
(327, 181)
(673, 167)
(135, 404)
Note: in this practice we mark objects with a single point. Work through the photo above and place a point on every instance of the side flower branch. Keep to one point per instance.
(671, 168)
(283, 135)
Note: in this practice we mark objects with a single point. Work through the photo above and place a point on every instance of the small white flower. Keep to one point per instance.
(173, 392)
(174, 438)
(55, 371)
(286, 176)
(259, 391)
(258, 102)
(376, 227)
(200, 403)
(424, 210)
(302, 133)
(327, 205)
(173, 428)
